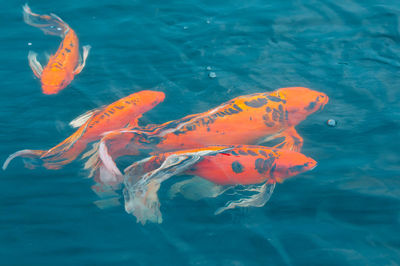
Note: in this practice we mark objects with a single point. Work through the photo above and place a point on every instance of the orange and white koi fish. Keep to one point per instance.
(66, 62)
(249, 119)
(257, 168)
(122, 113)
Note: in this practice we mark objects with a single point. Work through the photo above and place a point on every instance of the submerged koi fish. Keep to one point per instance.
(65, 63)
(122, 113)
(256, 167)
(250, 119)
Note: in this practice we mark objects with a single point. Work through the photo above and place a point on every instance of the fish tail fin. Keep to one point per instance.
(49, 24)
(140, 191)
(32, 154)
(102, 165)
(113, 145)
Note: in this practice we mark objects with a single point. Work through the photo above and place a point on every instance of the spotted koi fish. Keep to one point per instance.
(65, 63)
(257, 168)
(122, 113)
(250, 119)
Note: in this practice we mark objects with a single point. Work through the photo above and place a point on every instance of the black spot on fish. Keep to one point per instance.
(267, 121)
(274, 98)
(68, 50)
(271, 173)
(256, 103)
(233, 111)
(296, 169)
(296, 141)
(263, 153)
(277, 114)
(268, 109)
(120, 107)
(252, 153)
(311, 106)
(237, 107)
(234, 153)
(237, 167)
(259, 163)
(127, 102)
(242, 152)
(71, 44)
(179, 132)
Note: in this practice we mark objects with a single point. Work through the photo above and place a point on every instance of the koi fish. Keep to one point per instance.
(66, 62)
(122, 113)
(256, 168)
(249, 119)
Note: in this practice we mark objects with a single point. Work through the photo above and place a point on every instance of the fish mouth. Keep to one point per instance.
(313, 165)
(326, 100)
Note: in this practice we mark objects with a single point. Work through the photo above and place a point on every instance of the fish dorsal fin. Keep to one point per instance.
(82, 119)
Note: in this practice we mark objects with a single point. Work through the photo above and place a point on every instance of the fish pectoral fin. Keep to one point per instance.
(83, 118)
(86, 50)
(262, 194)
(133, 123)
(34, 64)
(140, 190)
(196, 188)
(292, 140)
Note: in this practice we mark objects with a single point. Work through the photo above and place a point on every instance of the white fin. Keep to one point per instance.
(34, 64)
(107, 203)
(196, 188)
(105, 191)
(83, 118)
(140, 194)
(86, 50)
(263, 194)
(113, 173)
(24, 153)
(49, 24)
(110, 197)
(267, 139)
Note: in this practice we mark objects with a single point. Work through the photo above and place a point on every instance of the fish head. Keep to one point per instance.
(146, 100)
(301, 102)
(55, 80)
(290, 163)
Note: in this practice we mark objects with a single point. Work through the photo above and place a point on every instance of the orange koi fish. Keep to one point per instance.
(122, 113)
(66, 62)
(250, 119)
(256, 167)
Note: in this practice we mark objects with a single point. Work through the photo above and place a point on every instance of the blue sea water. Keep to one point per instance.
(344, 212)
